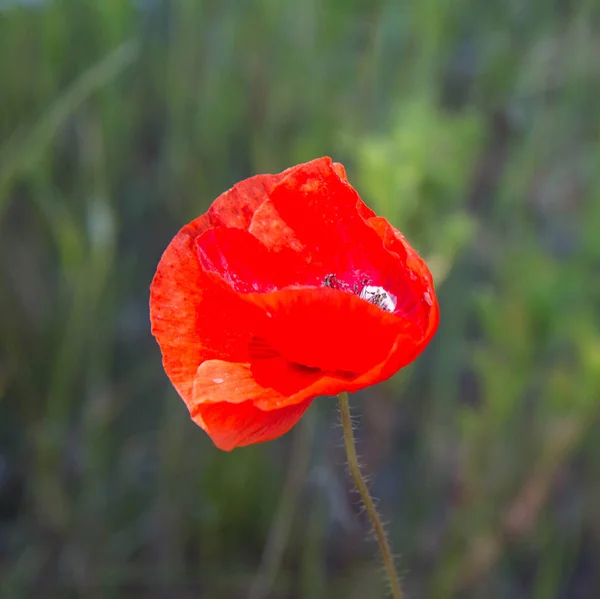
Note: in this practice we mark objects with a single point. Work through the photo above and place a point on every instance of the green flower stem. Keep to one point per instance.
(359, 481)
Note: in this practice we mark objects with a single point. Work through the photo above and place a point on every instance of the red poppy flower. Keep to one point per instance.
(288, 287)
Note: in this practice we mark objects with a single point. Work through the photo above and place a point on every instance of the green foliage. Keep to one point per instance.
(417, 174)
(472, 126)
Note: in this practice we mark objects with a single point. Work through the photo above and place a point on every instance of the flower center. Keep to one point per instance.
(379, 296)
(373, 294)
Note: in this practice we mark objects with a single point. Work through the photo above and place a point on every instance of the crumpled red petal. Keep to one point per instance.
(327, 215)
(418, 301)
(294, 356)
(331, 330)
(236, 206)
(235, 382)
(236, 425)
(247, 265)
(195, 315)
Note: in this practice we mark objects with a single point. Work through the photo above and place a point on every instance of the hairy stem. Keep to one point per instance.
(359, 481)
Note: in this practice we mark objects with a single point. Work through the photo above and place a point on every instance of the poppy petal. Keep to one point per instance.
(334, 331)
(418, 302)
(328, 216)
(247, 265)
(195, 315)
(219, 380)
(395, 242)
(236, 206)
(268, 226)
(268, 383)
(235, 425)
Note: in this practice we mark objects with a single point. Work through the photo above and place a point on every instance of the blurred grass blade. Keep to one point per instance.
(23, 150)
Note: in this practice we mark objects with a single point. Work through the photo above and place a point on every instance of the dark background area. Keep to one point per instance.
(472, 125)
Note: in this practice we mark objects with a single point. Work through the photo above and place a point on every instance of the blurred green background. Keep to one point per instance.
(474, 126)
